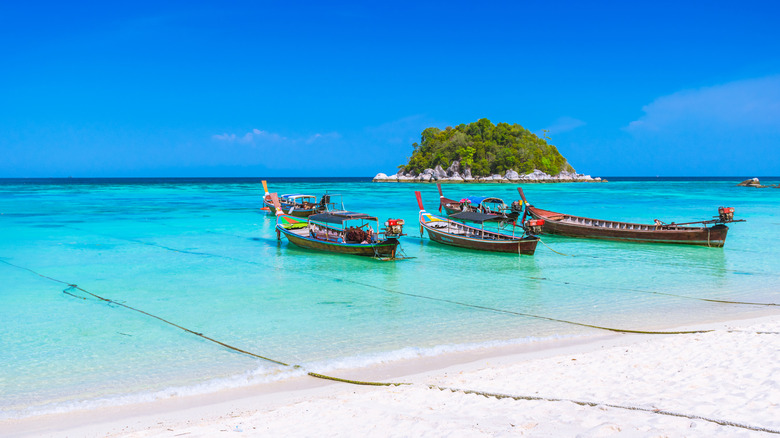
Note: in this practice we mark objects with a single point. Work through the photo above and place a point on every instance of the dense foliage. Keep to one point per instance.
(487, 149)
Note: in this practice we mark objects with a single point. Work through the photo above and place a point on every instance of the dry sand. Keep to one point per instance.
(725, 383)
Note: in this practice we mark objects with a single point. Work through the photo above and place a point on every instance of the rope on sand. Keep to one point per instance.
(609, 405)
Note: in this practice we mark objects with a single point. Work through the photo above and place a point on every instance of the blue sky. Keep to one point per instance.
(344, 89)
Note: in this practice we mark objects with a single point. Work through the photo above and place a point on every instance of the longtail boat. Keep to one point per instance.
(296, 204)
(710, 233)
(343, 232)
(480, 204)
(454, 232)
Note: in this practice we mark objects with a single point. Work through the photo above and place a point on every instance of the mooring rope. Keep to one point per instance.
(597, 404)
(72, 287)
(711, 300)
(371, 383)
(611, 329)
(602, 257)
(529, 315)
(548, 247)
(422, 296)
(485, 308)
(648, 261)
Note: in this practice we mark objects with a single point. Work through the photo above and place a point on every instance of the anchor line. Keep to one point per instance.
(72, 287)
(370, 383)
(610, 405)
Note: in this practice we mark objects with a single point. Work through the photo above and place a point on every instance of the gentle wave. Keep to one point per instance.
(266, 374)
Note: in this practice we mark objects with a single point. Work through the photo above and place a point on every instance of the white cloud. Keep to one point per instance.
(745, 104)
(323, 137)
(564, 124)
(224, 137)
(257, 137)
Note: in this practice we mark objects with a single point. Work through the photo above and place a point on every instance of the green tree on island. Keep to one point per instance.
(486, 149)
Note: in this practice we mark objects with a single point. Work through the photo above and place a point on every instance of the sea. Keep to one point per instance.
(201, 254)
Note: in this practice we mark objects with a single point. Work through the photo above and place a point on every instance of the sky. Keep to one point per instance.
(293, 88)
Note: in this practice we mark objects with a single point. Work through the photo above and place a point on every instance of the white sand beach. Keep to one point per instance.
(724, 383)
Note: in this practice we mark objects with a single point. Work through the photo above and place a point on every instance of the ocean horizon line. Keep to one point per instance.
(336, 178)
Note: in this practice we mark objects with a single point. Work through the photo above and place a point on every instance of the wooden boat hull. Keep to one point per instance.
(297, 213)
(386, 248)
(575, 226)
(449, 210)
(520, 245)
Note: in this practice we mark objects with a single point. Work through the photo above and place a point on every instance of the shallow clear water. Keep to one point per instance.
(201, 254)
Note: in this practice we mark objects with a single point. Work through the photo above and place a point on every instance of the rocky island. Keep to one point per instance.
(754, 182)
(484, 152)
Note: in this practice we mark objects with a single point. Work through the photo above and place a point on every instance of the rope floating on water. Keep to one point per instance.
(71, 287)
(548, 247)
(611, 329)
(615, 330)
(711, 300)
(444, 300)
(510, 312)
(369, 383)
(399, 292)
(596, 404)
(205, 254)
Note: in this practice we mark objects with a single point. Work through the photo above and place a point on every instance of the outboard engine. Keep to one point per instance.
(517, 206)
(533, 226)
(394, 228)
(324, 201)
(725, 214)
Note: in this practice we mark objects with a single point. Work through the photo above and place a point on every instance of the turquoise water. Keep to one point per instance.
(201, 254)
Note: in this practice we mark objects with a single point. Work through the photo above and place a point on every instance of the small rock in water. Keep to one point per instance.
(752, 182)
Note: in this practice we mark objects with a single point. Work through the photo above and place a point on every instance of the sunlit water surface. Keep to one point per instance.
(201, 254)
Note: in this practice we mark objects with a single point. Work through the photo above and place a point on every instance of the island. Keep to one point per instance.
(484, 152)
(754, 182)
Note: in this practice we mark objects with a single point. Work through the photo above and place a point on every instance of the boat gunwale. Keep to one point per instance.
(502, 237)
(548, 215)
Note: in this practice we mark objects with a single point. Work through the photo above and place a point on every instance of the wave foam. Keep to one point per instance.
(267, 374)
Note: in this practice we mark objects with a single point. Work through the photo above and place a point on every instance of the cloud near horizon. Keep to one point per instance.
(726, 129)
(744, 104)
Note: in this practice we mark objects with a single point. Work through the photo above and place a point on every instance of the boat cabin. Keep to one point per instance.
(483, 204)
(343, 227)
(298, 200)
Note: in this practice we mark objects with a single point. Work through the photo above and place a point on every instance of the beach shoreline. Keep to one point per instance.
(247, 407)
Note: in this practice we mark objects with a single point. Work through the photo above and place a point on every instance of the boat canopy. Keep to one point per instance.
(477, 200)
(476, 217)
(296, 196)
(339, 217)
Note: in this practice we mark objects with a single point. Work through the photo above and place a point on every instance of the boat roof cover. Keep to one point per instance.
(476, 217)
(337, 217)
(297, 195)
(480, 199)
